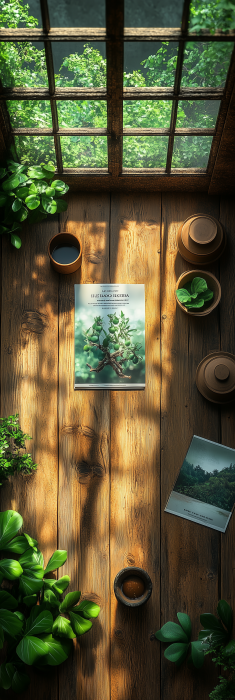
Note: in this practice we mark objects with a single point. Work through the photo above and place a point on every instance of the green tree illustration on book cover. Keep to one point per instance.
(109, 336)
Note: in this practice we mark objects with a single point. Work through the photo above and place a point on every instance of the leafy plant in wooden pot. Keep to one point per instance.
(213, 639)
(28, 193)
(36, 623)
(198, 293)
(13, 456)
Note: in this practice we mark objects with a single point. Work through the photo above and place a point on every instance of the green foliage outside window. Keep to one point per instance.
(205, 64)
(13, 456)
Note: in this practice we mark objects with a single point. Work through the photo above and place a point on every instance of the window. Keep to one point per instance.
(119, 101)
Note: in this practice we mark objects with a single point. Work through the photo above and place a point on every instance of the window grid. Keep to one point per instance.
(114, 94)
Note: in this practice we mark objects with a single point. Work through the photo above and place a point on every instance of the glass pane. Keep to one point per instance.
(77, 14)
(20, 14)
(30, 113)
(147, 114)
(145, 151)
(84, 151)
(206, 64)
(79, 65)
(153, 13)
(149, 63)
(35, 149)
(23, 65)
(211, 15)
(200, 113)
(191, 151)
(83, 113)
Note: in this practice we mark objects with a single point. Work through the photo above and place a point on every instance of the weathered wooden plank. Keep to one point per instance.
(84, 430)
(190, 552)
(29, 387)
(227, 308)
(135, 448)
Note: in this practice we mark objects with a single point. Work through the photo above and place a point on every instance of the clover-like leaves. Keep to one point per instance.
(179, 636)
(194, 294)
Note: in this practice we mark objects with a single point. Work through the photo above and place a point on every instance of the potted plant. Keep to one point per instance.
(13, 456)
(37, 624)
(28, 193)
(197, 293)
(213, 639)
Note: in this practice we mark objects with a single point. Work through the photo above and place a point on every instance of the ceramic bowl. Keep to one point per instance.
(215, 377)
(125, 574)
(212, 284)
(66, 239)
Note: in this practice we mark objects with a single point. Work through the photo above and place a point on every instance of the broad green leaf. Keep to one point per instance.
(3, 199)
(88, 609)
(63, 628)
(30, 600)
(51, 598)
(207, 295)
(10, 568)
(196, 304)
(32, 201)
(43, 623)
(33, 188)
(48, 204)
(198, 285)
(49, 168)
(210, 622)
(49, 583)
(79, 624)
(183, 295)
(60, 186)
(22, 214)
(50, 192)
(10, 523)
(171, 632)
(2, 173)
(22, 178)
(229, 650)
(3, 229)
(29, 585)
(61, 205)
(70, 600)
(58, 650)
(57, 559)
(226, 614)
(36, 173)
(18, 546)
(6, 675)
(185, 622)
(197, 654)
(7, 601)
(35, 570)
(61, 585)
(176, 652)
(19, 615)
(10, 623)
(1, 637)
(30, 558)
(15, 240)
(15, 167)
(30, 540)
(22, 192)
(30, 649)
(11, 183)
(20, 682)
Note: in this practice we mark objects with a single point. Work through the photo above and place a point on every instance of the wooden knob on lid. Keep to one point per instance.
(202, 230)
(221, 372)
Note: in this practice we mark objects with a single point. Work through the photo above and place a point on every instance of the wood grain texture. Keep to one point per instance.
(135, 447)
(227, 312)
(29, 387)
(190, 552)
(84, 432)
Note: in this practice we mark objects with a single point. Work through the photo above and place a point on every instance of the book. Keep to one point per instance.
(109, 336)
(204, 491)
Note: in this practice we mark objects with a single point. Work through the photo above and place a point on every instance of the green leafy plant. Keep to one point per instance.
(28, 193)
(194, 294)
(38, 626)
(213, 639)
(13, 456)
(116, 345)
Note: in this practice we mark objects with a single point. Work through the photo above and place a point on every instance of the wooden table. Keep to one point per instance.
(107, 461)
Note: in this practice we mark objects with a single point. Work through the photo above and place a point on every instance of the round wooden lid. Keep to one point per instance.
(215, 377)
(202, 230)
(198, 254)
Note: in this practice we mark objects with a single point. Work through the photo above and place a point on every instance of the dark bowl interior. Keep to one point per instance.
(126, 573)
(64, 239)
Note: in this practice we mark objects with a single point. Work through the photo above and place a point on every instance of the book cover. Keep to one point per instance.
(204, 491)
(109, 336)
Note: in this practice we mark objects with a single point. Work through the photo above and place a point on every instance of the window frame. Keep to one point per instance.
(115, 176)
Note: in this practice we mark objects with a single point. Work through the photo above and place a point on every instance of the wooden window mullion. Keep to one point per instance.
(114, 52)
(178, 73)
(51, 83)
